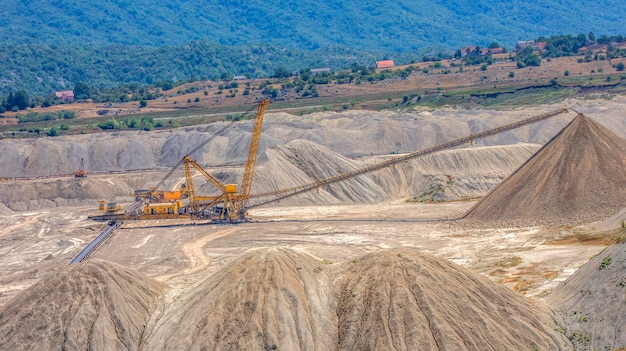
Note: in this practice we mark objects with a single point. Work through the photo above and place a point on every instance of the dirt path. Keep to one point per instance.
(195, 254)
(27, 220)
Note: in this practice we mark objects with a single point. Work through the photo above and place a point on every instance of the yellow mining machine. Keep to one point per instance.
(228, 206)
(80, 173)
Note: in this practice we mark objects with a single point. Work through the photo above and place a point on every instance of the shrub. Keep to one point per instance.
(52, 132)
(605, 263)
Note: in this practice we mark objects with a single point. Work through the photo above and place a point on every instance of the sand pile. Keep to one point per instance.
(448, 175)
(416, 302)
(318, 163)
(287, 300)
(577, 177)
(267, 300)
(592, 302)
(96, 305)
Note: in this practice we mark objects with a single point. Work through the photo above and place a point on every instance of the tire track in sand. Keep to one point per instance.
(196, 258)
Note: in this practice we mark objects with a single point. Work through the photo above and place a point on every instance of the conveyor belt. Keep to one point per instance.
(96, 243)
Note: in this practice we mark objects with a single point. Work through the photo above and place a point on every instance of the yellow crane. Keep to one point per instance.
(228, 206)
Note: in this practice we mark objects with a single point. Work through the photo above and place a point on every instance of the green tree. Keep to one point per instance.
(21, 99)
(83, 91)
(620, 66)
(592, 37)
(281, 72)
(527, 57)
(143, 103)
(8, 103)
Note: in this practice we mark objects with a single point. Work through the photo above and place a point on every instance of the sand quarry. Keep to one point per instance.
(497, 245)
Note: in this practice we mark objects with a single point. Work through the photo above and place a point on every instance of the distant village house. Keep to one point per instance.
(64, 96)
(539, 46)
(239, 78)
(385, 64)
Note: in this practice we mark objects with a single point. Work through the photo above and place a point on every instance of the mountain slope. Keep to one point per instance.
(400, 25)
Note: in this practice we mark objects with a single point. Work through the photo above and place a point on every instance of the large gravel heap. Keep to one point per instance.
(90, 306)
(577, 177)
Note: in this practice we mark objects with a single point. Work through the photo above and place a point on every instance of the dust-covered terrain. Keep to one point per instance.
(591, 302)
(382, 260)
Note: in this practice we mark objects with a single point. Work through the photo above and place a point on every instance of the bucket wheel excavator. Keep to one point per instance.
(228, 206)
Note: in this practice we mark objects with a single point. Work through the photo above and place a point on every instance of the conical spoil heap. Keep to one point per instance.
(577, 177)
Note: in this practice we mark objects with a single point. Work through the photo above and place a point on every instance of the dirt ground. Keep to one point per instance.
(527, 260)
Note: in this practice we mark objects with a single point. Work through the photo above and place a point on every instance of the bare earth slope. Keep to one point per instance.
(592, 302)
(447, 175)
(97, 305)
(287, 300)
(577, 177)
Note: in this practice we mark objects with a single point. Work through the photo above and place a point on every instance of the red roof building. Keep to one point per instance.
(65, 96)
(385, 64)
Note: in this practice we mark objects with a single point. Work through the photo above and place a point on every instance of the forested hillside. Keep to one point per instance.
(399, 25)
(41, 69)
(55, 44)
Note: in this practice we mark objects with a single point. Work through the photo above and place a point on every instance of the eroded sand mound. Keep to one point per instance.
(352, 133)
(286, 300)
(408, 301)
(577, 177)
(267, 300)
(592, 302)
(90, 306)
(448, 175)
